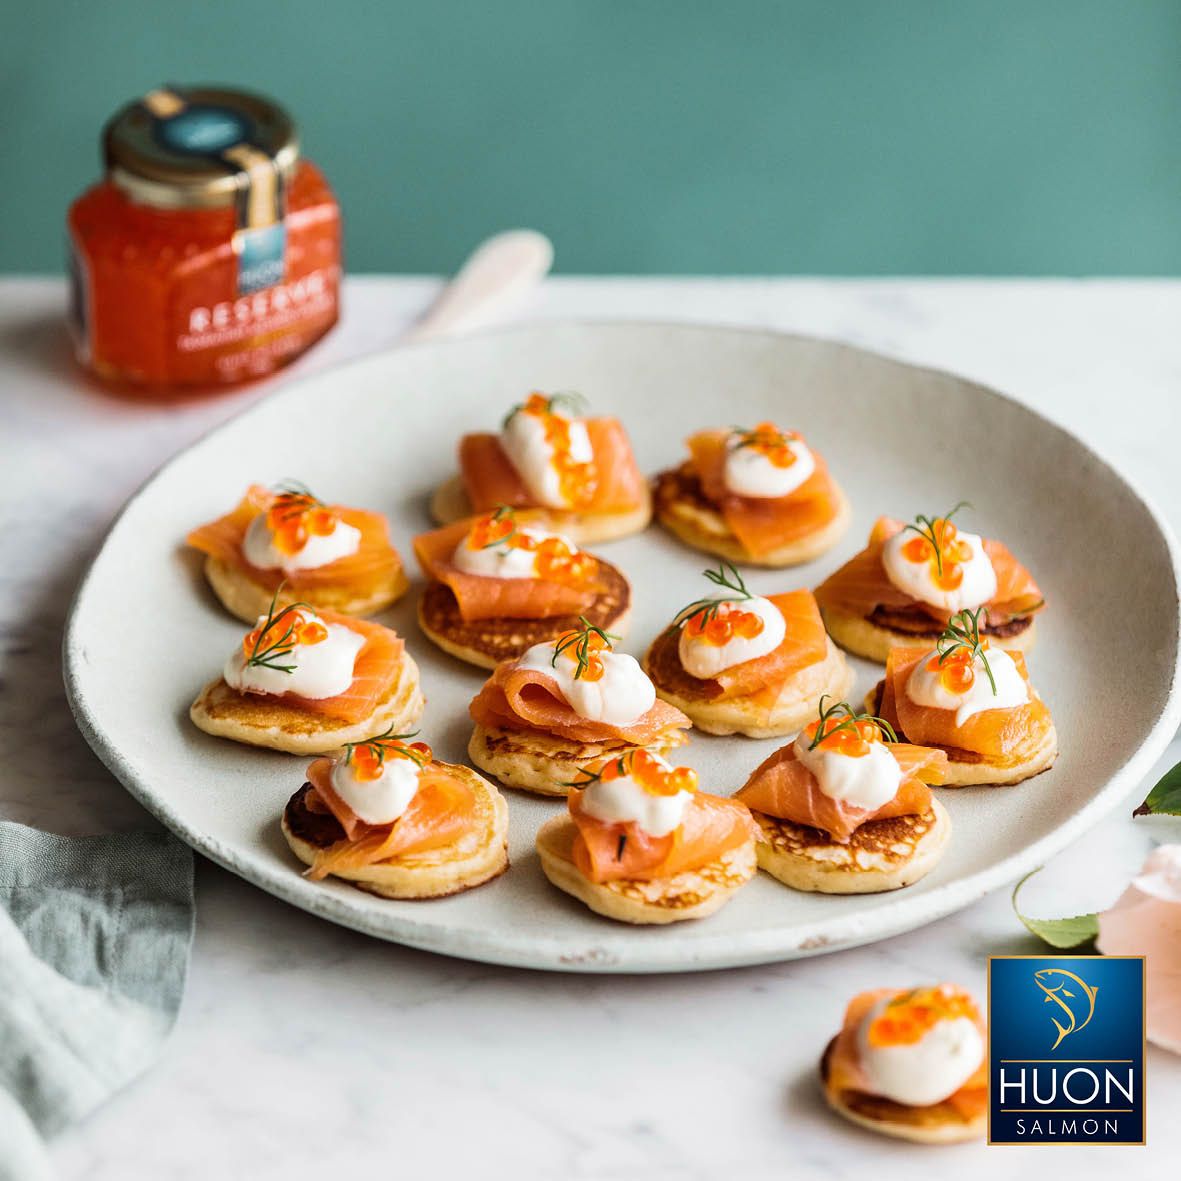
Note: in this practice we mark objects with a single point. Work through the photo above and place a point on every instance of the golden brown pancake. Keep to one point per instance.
(881, 854)
(486, 642)
(938, 1123)
(478, 857)
(545, 763)
(684, 510)
(260, 720)
(692, 894)
(969, 768)
(874, 636)
(755, 716)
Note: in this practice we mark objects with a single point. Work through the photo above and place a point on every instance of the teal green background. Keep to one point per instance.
(864, 137)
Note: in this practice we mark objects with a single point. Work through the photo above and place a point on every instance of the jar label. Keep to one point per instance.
(260, 257)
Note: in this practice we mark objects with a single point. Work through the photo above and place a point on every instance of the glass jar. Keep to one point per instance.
(210, 252)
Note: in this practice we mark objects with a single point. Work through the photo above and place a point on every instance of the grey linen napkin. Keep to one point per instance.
(94, 945)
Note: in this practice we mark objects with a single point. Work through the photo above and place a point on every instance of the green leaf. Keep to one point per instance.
(1165, 798)
(1075, 931)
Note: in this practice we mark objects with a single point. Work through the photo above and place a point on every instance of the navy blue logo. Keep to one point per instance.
(1066, 1050)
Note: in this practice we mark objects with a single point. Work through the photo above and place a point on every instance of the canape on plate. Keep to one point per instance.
(758, 496)
(564, 705)
(501, 583)
(737, 663)
(911, 578)
(307, 682)
(289, 543)
(911, 1063)
(970, 700)
(549, 455)
(641, 844)
(386, 816)
(845, 809)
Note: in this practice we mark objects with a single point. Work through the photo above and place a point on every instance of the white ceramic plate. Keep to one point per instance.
(145, 632)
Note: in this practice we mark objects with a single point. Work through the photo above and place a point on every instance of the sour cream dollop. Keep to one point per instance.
(917, 579)
(531, 453)
(503, 560)
(749, 471)
(926, 1071)
(925, 686)
(259, 549)
(702, 658)
(320, 670)
(864, 781)
(622, 800)
(621, 696)
(381, 800)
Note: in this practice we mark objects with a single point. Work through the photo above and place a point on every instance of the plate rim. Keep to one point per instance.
(708, 952)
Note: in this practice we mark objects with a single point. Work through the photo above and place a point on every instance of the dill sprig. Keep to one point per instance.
(585, 776)
(846, 719)
(384, 742)
(266, 655)
(753, 437)
(572, 404)
(727, 577)
(963, 632)
(502, 511)
(927, 529)
(580, 641)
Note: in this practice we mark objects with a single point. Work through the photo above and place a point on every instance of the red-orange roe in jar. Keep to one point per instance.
(210, 252)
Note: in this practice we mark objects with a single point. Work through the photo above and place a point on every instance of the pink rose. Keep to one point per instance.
(1146, 920)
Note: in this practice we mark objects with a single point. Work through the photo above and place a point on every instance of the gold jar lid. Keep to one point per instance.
(201, 147)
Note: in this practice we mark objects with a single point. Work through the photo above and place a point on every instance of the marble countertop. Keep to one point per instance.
(301, 1046)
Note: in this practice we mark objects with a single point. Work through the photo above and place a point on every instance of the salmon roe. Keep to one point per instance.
(946, 557)
(854, 741)
(651, 773)
(577, 481)
(368, 758)
(720, 625)
(580, 645)
(554, 561)
(910, 1015)
(957, 670)
(294, 517)
(774, 443)
(275, 634)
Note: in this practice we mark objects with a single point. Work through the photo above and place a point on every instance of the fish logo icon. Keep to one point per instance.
(1078, 1006)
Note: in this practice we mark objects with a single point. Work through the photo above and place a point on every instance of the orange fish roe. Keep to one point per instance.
(580, 645)
(294, 517)
(577, 481)
(957, 669)
(555, 560)
(367, 759)
(284, 631)
(651, 773)
(945, 552)
(854, 740)
(720, 625)
(772, 442)
(911, 1015)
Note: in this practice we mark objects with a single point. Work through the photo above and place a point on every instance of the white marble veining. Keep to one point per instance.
(303, 1048)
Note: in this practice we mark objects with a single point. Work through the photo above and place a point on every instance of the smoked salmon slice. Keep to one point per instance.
(844, 1071)
(995, 733)
(712, 826)
(860, 586)
(784, 788)
(374, 563)
(375, 672)
(440, 813)
(483, 597)
(760, 524)
(525, 699)
(490, 479)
